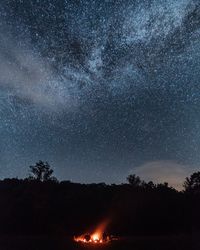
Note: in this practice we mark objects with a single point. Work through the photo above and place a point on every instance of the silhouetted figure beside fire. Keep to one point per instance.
(87, 237)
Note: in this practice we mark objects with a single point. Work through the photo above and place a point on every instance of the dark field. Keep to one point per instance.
(189, 242)
(38, 215)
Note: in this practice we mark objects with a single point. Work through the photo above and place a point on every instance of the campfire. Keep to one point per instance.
(98, 236)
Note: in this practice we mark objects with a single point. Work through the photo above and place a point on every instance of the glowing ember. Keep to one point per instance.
(97, 237)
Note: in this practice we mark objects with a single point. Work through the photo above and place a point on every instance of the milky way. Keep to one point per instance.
(99, 88)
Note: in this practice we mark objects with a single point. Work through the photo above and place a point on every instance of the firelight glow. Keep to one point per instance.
(97, 237)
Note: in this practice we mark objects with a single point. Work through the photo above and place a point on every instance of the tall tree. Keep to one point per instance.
(192, 183)
(134, 180)
(41, 172)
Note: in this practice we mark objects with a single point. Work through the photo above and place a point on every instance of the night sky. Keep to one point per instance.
(100, 89)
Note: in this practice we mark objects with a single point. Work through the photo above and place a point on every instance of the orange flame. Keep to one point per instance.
(97, 236)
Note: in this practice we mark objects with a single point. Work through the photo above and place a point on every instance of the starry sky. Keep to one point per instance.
(100, 88)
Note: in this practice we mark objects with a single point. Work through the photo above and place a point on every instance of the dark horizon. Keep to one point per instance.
(141, 181)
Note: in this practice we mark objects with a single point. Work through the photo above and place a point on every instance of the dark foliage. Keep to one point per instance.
(49, 207)
(41, 172)
(134, 180)
(192, 183)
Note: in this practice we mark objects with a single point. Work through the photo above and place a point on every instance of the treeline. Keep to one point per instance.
(40, 204)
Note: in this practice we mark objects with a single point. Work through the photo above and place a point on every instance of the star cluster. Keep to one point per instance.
(98, 88)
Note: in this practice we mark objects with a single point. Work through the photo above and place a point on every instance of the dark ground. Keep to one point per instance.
(30, 210)
(181, 242)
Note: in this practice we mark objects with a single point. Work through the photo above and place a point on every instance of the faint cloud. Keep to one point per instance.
(164, 171)
(28, 76)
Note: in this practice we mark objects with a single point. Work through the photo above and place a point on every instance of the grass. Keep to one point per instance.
(181, 242)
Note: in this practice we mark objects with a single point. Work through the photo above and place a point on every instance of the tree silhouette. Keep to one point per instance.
(193, 182)
(41, 172)
(149, 185)
(134, 180)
